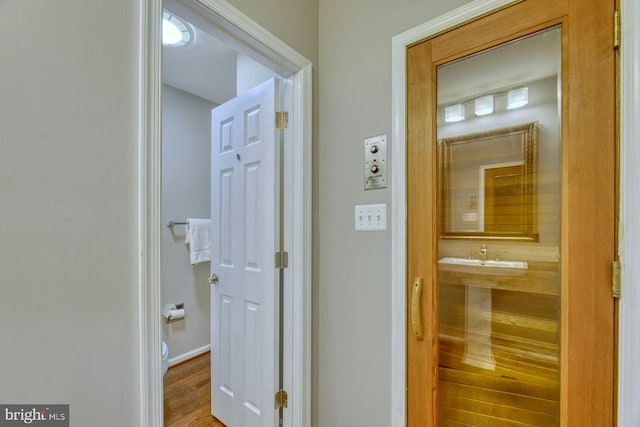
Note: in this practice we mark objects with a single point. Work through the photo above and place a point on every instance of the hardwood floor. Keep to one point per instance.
(187, 394)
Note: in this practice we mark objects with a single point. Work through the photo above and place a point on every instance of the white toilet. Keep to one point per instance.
(165, 358)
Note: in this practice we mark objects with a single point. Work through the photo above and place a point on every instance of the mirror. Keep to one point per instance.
(488, 184)
(499, 143)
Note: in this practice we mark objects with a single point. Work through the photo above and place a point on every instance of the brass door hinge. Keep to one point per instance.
(282, 259)
(282, 400)
(617, 29)
(615, 281)
(282, 120)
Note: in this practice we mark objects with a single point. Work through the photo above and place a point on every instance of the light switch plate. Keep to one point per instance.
(371, 217)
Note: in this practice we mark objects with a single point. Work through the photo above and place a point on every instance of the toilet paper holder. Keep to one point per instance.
(173, 312)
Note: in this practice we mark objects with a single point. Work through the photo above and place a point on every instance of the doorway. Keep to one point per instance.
(202, 79)
(442, 364)
(250, 39)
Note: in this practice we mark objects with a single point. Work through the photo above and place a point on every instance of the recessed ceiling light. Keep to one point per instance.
(175, 32)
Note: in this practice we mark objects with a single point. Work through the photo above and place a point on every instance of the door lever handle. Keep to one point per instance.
(213, 279)
(416, 309)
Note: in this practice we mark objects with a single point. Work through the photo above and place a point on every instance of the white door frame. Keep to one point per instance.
(398, 187)
(248, 37)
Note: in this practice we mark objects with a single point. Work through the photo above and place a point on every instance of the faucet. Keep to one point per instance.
(483, 252)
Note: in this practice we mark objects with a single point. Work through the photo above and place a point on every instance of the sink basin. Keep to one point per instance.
(476, 266)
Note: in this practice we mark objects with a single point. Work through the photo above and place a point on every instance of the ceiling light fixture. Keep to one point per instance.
(517, 98)
(483, 106)
(454, 113)
(175, 32)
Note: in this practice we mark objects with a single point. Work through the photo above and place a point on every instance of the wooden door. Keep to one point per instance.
(504, 209)
(566, 304)
(245, 235)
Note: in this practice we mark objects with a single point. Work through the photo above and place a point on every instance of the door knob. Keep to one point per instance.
(214, 279)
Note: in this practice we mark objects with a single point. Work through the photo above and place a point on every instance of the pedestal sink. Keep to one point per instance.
(488, 267)
(478, 350)
(479, 278)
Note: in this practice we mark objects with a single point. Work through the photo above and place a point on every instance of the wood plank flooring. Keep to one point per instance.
(187, 394)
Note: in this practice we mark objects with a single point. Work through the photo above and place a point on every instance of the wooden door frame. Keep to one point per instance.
(251, 39)
(399, 187)
(399, 212)
(628, 368)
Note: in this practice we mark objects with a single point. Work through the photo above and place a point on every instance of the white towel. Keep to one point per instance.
(199, 240)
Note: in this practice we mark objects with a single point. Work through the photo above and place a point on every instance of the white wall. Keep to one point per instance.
(68, 207)
(186, 193)
(629, 368)
(250, 74)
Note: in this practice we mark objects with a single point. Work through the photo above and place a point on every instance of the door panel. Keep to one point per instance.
(491, 350)
(245, 233)
(503, 199)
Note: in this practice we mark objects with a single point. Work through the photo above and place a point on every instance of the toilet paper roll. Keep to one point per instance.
(176, 314)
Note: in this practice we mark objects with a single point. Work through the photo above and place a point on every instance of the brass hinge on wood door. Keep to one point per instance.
(282, 120)
(617, 29)
(616, 287)
(282, 399)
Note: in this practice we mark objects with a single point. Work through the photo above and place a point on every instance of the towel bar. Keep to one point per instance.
(172, 223)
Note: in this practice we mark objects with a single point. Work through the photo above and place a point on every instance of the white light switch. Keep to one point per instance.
(371, 217)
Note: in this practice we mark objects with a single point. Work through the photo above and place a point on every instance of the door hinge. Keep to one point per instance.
(282, 120)
(282, 259)
(282, 399)
(616, 287)
(617, 29)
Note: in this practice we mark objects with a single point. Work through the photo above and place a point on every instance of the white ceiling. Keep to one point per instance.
(206, 67)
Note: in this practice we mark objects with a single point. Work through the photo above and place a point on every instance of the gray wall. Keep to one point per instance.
(294, 22)
(69, 207)
(353, 273)
(186, 193)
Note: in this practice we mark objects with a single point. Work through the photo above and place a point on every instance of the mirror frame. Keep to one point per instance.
(529, 150)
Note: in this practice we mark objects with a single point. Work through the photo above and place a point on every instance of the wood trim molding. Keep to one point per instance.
(629, 249)
(253, 40)
(400, 43)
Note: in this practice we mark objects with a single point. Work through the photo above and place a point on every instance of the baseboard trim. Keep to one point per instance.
(181, 358)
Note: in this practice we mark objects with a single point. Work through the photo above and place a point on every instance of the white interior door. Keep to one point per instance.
(245, 238)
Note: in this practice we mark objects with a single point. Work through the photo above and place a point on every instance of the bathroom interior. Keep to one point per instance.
(499, 193)
(200, 72)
